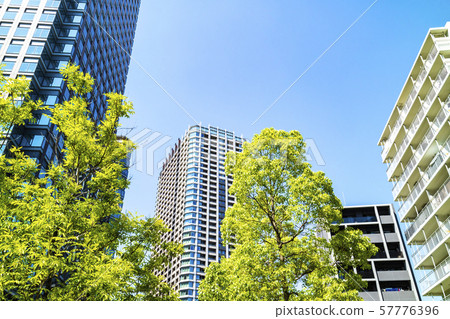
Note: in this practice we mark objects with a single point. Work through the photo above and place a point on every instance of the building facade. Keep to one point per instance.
(391, 277)
(38, 37)
(416, 149)
(192, 199)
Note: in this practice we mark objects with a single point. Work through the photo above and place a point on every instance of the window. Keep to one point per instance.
(29, 14)
(49, 152)
(15, 46)
(51, 100)
(42, 31)
(53, 82)
(53, 3)
(47, 16)
(62, 48)
(22, 30)
(10, 14)
(56, 64)
(35, 48)
(28, 65)
(37, 141)
(5, 27)
(42, 119)
(34, 3)
(9, 63)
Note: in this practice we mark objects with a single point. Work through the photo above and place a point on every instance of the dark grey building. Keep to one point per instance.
(391, 277)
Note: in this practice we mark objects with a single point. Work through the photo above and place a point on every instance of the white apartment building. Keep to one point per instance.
(192, 199)
(416, 149)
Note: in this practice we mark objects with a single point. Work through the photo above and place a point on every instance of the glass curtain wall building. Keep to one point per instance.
(192, 199)
(416, 149)
(38, 37)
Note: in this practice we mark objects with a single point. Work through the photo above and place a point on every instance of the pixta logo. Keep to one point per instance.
(151, 150)
(285, 150)
(312, 153)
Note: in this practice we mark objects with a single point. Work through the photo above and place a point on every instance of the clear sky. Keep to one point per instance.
(225, 62)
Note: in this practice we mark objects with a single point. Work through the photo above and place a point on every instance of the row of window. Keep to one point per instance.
(29, 15)
(195, 131)
(34, 3)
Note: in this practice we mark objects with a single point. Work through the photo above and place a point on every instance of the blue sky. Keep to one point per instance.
(225, 62)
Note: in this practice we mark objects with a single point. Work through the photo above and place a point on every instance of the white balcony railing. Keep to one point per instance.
(441, 270)
(410, 100)
(421, 217)
(440, 78)
(406, 173)
(435, 126)
(430, 58)
(442, 194)
(431, 95)
(435, 201)
(396, 128)
(398, 124)
(434, 240)
(422, 75)
(413, 161)
(429, 136)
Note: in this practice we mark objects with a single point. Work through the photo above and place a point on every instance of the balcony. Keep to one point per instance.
(430, 58)
(442, 194)
(369, 295)
(412, 130)
(387, 219)
(393, 275)
(391, 237)
(426, 141)
(428, 210)
(428, 63)
(434, 276)
(440, 78)
(398, 124)
(406, 173)
(422, 76)
(443, 232)
(418, 222)
(399, 296)
(431, 95)
(418, 188)
(375, 238)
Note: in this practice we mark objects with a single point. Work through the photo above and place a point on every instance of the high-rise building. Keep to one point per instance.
(416, 148)
(192, 199)
(38, 37)
(391, 277)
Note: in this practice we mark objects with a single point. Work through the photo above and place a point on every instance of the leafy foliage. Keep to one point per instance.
(282, 208)
(15, 105)
(63, 236)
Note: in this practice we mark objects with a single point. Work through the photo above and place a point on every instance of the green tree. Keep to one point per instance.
(63, 236)
(282, 208)
(15, 105)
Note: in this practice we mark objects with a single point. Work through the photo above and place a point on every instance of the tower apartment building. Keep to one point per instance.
(391, 277)
(192, 199)
(416, 149)
(38, 37)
